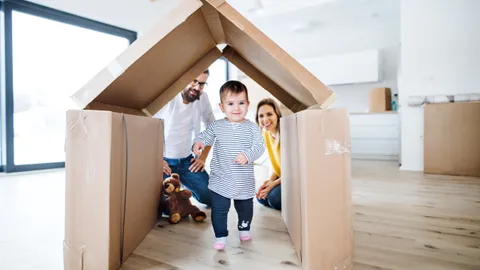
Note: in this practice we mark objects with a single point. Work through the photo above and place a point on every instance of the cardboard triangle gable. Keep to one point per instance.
(160, 63)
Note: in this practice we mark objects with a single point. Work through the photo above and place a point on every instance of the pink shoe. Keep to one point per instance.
(245, 238)
(219, 246)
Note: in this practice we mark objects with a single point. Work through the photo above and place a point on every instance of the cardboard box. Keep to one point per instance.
(157, 66)
(316, 195)
(113, 186)
(160, 63)
(380, 100)
(452, 138)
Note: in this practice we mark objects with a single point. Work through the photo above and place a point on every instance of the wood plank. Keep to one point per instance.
(403, 220)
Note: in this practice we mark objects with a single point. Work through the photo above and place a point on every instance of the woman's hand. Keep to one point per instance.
(265, 189)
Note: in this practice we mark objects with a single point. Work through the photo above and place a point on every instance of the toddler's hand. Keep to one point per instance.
(198, 148)
(241, 159)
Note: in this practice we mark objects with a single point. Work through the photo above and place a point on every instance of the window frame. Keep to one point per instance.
(7, 91)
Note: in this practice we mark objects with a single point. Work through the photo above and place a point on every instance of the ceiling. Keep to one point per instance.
(285, 21)
(289, 15)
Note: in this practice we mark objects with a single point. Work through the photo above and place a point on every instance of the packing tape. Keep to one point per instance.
(72, 255)
(325, 104)
(329, 100)
(332, 146)
(115, 68)
(336, 147)
(83, 97)
(345, 265)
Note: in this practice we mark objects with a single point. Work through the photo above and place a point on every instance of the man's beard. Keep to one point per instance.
(188, 97)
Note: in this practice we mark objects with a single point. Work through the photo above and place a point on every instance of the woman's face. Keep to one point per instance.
(267, 118)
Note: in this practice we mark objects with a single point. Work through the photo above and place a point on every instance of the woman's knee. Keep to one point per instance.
(275, 198)
(262, 201)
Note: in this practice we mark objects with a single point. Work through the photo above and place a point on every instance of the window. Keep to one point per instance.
(49, 55)
(218, 76)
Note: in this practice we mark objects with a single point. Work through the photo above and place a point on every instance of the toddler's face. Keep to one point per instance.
(235, 106)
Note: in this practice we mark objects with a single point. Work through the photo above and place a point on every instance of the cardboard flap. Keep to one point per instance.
(270, 59)
(154, 62)
(161, 63)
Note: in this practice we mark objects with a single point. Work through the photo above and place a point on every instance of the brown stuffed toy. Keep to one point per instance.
(178, 201)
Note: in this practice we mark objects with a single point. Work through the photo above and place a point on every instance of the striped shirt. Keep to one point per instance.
(228, 178)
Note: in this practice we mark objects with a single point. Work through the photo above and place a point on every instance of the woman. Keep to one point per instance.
(268, 118)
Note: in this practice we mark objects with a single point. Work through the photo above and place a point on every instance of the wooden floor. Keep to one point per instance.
(403, 220)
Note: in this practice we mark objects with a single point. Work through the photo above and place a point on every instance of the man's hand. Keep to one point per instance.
(197, 164)
(198, 148)
(241, 159)
(166, 168)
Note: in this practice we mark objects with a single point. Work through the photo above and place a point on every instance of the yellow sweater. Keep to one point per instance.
(273, 148)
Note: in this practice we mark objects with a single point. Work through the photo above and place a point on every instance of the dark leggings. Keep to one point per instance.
(220, 208)
(274, 198)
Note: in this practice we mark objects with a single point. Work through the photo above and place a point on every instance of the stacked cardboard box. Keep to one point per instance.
(380, 99)
(452, 138)
(114, 149)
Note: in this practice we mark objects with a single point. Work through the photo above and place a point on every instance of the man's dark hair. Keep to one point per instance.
(233, 87)
(206, 71)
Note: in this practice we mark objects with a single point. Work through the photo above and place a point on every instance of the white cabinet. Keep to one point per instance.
(375, 135)
(346, 68)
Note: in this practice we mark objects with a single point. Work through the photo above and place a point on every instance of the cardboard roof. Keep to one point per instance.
(160, 63)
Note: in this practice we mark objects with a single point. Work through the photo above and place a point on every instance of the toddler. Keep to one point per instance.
(238, 143)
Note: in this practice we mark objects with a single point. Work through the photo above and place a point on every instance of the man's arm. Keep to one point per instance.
(207, 119)
(205, 152)
(207, 112)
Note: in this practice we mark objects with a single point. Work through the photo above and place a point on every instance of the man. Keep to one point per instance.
(182, 117)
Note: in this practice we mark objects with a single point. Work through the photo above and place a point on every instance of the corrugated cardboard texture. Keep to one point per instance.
(180, 46)
(452, 139)
(291, 204)
(380, 100)
(110, 157)
(325, 224)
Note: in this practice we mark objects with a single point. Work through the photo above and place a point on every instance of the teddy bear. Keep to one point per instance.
(178, 201)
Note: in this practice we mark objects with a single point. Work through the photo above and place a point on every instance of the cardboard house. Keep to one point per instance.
(114, 148)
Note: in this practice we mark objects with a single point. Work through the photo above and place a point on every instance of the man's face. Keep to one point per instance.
(194, 90)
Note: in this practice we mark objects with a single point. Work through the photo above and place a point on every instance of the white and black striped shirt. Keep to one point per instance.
(228, 178)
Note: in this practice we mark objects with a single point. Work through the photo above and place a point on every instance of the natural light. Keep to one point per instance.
(50, 61)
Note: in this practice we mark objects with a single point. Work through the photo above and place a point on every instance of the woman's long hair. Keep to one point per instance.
(270, 102)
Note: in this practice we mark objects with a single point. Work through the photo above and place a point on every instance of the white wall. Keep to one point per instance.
(345, 33)
(355, 96)
(440, 54)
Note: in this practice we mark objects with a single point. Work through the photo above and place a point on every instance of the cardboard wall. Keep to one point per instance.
(113, 186)
(291, 193)
(316, 170)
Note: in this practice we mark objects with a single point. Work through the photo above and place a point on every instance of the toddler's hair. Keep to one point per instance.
(233, 87)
